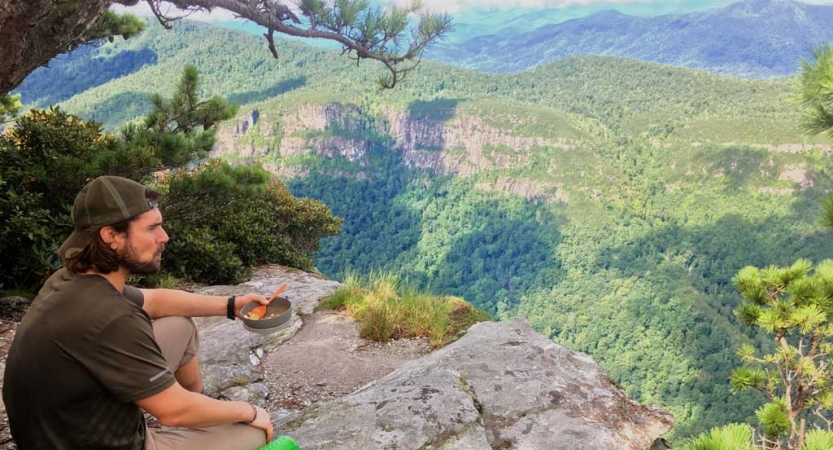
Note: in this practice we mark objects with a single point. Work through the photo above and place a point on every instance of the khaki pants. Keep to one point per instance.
(178, 340)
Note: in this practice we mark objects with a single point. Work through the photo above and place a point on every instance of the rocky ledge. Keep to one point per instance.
(501, 386)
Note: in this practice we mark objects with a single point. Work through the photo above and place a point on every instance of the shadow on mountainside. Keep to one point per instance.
(691, 267)
(275, 90)
(438, 110)
(80, 71)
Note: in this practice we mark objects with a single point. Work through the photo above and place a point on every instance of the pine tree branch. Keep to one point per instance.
(277, 17)
(35, 31)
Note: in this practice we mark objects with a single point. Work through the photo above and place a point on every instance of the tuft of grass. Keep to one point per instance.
(388, 309)
(350, 293)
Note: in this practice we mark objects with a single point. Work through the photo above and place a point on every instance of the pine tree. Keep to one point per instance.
(815, 91)
(792, 304)
(46, 156)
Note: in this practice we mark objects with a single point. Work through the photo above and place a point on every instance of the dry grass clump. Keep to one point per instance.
(387, 310)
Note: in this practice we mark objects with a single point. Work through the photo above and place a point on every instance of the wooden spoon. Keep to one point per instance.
(258, 312)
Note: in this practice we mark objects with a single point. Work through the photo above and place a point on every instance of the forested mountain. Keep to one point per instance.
(608, 201)
(508, 21)
(751, 38)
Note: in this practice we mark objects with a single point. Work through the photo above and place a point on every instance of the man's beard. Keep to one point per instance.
(129, 261)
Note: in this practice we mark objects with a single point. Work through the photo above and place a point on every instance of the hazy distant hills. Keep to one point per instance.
(608, 201)
(753, 38)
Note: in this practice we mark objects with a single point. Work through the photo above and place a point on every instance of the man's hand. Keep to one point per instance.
(264, 422)
(243, 300)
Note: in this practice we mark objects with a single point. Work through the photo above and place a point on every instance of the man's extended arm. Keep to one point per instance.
(171, 302)
(178, 407)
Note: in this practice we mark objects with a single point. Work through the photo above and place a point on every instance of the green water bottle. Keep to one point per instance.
(281, 443)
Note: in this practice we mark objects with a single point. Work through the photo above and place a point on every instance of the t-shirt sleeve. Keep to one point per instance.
(127, 360)
(134, 295)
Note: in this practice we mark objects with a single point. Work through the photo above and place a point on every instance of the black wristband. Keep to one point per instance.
(230, 307)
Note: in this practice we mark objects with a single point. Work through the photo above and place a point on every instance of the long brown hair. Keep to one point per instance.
(97, 254)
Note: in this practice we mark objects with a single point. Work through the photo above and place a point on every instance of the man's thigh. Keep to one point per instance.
(177, 338)
(227, 437)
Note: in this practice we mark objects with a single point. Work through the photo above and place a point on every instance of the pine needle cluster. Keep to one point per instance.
(792, 304)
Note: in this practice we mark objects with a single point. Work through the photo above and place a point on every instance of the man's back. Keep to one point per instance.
(81, 356)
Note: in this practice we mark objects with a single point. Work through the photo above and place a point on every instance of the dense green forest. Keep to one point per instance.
(608, 201)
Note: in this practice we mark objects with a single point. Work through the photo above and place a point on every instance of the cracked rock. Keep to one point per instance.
(500, 386)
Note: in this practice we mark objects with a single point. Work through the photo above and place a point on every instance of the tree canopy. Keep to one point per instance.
(34, 32)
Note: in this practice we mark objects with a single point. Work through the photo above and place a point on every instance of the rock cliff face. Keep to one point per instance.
(501, 386)
(458, 146)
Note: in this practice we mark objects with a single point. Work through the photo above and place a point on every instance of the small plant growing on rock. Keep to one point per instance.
(386, 310)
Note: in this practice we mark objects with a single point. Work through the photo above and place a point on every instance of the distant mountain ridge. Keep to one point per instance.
(750, 39)
(600, 198)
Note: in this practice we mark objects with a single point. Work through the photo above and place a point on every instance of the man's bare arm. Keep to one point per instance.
(178, 407)
(172, 302)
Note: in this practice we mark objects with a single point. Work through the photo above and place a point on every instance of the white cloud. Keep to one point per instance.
(142, 9)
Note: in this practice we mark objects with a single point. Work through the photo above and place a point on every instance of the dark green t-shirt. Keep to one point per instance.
(80, 358)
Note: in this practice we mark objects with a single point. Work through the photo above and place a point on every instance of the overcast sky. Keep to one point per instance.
(461, 5)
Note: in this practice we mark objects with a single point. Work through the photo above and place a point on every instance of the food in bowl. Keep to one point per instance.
(251, 316)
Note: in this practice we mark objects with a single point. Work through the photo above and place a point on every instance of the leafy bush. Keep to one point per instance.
(45, 159)
(223, 219)
(197, 254)
(228, 218)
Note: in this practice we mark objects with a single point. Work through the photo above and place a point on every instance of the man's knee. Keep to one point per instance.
(177, 338)
(254, 438)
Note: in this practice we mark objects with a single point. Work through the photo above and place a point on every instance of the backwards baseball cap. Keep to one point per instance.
(107, 200)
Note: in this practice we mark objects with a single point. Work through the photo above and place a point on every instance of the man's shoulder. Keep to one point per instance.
(67, 289)
(81, 301)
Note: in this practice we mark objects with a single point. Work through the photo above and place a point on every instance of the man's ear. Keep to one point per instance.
(109, 236)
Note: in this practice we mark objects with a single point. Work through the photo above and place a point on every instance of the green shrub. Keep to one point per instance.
(162, 280)
(45, 159)
(47, 156)
(245, 215)
(198, 255)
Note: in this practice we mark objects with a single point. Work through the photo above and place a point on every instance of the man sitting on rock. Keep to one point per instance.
(91, 352)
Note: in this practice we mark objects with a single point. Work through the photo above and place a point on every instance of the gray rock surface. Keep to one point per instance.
(255, 393)
(303, 289)
(500, 386)
(229, 354)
